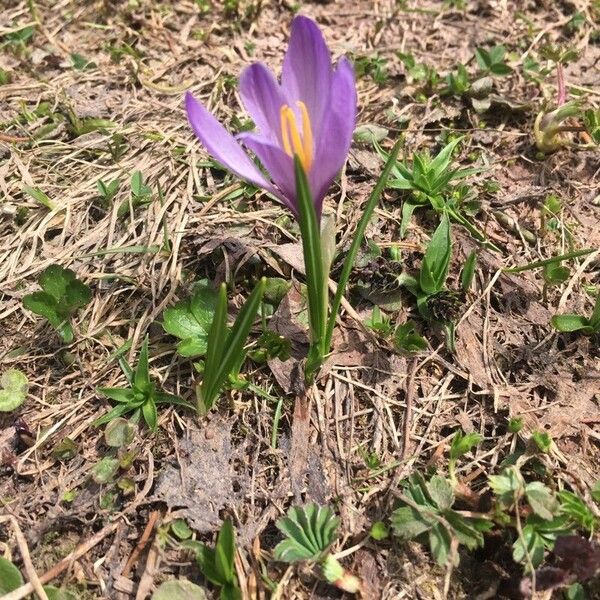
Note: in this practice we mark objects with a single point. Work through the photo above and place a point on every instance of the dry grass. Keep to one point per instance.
(508, 360)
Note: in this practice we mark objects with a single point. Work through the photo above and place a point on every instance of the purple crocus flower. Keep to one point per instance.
(311, 113)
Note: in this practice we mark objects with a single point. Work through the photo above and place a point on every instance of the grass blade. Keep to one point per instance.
(214, 350)
(548, 261)
(358, 236)
(222, 363)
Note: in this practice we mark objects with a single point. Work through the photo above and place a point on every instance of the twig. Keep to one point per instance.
(410, 392)
(34, 580)
(142, 542)
(12, 139)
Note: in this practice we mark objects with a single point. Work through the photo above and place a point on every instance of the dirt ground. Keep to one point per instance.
(133, 61)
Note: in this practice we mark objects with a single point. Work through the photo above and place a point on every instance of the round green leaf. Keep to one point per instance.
(14, 390)
(10, 577)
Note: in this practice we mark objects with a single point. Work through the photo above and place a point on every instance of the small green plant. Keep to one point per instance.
(81, 63)
(493, 60)
(225, 349)
(270, 345)
(17, 41)
(423, 74)
(5, 76)
(571, 322)
(426, 511)
(63, 294)
(13, 390)
(190, 320)
(429, 180)
(591, 119)
(461, 444)
(40, 196)
(549, 126)
(373, 67)
(140, 194)
(310, 531)
(107, 190)
(434, 302)
(141, 397)
(407, 340)
(380, 322)
(533, 516)
(218, 565)
(458, 82)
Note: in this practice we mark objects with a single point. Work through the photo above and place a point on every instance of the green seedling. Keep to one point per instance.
(380, 323)
(493, 60)
(310, 531)
(542, 527)
(429, 180)
(591, 120)
(13, 390)
(468, 272)
(461, 445)
(63, 294)
(5, 76)
(434, 302)
(374, 67)
(572, 322)
(82, 125)
(423, 74)
(436, 261)
(270, 345)
(107, 190)
(407, 340)
(218, 564)
(81, 63)
(141, 194)
(117, 146)
(190, 320)
(379, 531)
(39, 196)
(578, 511)
(141, 397)
(549, 127)
(17, 41)
(458, 82)
(533, 514)
(225, 349)
(426, 512)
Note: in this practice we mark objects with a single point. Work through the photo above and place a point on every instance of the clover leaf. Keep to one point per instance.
(63, 294)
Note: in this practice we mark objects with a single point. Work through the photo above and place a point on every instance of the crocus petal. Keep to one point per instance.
(263, 100)
(279, 165)
(336, 132)
(222, 145)
(306, 74)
